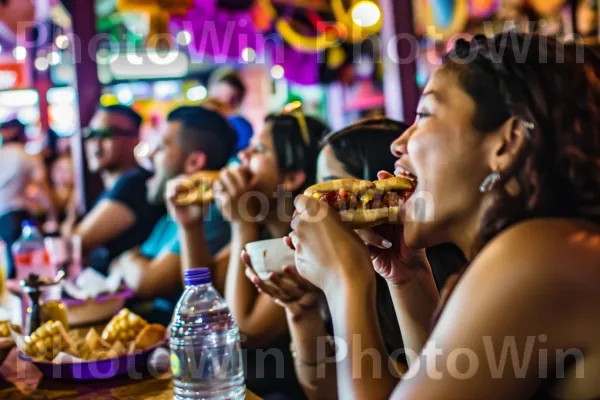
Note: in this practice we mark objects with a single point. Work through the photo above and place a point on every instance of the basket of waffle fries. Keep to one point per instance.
(123, 347)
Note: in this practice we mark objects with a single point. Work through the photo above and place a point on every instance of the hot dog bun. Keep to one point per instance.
(197, 188)
(364, 192)
(352, 185)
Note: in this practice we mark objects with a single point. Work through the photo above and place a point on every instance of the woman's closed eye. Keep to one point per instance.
(422, 114)
(259, 148)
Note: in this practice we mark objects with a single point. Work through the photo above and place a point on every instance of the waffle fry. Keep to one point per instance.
(125, 327)
(150, 336)
(47, 341)
(4, 332)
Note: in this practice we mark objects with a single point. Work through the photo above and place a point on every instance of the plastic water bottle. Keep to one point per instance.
(206, 354)
(30, 255)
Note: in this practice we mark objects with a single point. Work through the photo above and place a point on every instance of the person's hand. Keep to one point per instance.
(288, 289)
(392, 258)
(186, 216)
(327, 250)
(233, 197)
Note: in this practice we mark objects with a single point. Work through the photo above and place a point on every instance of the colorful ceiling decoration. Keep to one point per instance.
(546, 7)
(482, 8)
(158, 14)
(218, 33)
(325, 34)
(442, 19)
(224, 35)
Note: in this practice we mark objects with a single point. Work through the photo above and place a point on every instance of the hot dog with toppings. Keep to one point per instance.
(364, 203)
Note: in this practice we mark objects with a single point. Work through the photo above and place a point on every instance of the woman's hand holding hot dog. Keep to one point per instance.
(328, 252)
(392, 258)
(319, 233)
(333, 257)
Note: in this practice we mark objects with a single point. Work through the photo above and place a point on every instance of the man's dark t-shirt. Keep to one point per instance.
(129, 190)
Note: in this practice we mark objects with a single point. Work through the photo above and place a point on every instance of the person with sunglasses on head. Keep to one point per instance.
(121, 218)
(256, 197)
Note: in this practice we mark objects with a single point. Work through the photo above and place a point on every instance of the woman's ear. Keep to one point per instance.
(194, 162)
(509, 144)
(292, 181)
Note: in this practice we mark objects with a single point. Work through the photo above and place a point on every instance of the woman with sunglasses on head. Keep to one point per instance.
(358, 151)
(507, 147)
(257, 198)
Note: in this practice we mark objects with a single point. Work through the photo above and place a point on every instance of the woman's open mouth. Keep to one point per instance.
(404, 173)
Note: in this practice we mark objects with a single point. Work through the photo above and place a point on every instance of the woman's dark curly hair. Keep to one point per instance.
(556, 87)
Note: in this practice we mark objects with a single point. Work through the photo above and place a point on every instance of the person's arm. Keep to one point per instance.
(314, 360)
(261, 321)
(515, 303)
(415, 304)
(105, 221)
(149, 277)
(518, 294)
(197, 245)
(259, 318)
(195, 252)
(410, 281)
(221, 264)
(313, 363)
(354, 313)
(194, 249)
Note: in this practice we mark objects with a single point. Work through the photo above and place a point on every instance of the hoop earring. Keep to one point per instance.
(489, 182)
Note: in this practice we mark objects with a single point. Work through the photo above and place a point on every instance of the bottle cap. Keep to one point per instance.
(196, 276)
(28, 224)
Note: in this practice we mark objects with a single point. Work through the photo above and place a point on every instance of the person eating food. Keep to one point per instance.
(358, 151)
(506, 150)
(195, 139)
(256, 197)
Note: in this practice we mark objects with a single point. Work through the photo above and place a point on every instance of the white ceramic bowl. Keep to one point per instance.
(269, 256)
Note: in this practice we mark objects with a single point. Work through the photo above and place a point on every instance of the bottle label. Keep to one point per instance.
(35, 262)
(175, 365)
(221, 361)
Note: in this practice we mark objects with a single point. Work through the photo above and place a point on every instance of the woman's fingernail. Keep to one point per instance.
(387, 244)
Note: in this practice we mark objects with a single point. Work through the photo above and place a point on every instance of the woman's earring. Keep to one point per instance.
(489, 182)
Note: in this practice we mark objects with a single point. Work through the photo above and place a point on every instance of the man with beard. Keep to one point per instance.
(195, 139)
(122, 218)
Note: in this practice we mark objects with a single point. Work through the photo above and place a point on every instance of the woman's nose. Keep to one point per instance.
(244, 155)
(400, 145)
